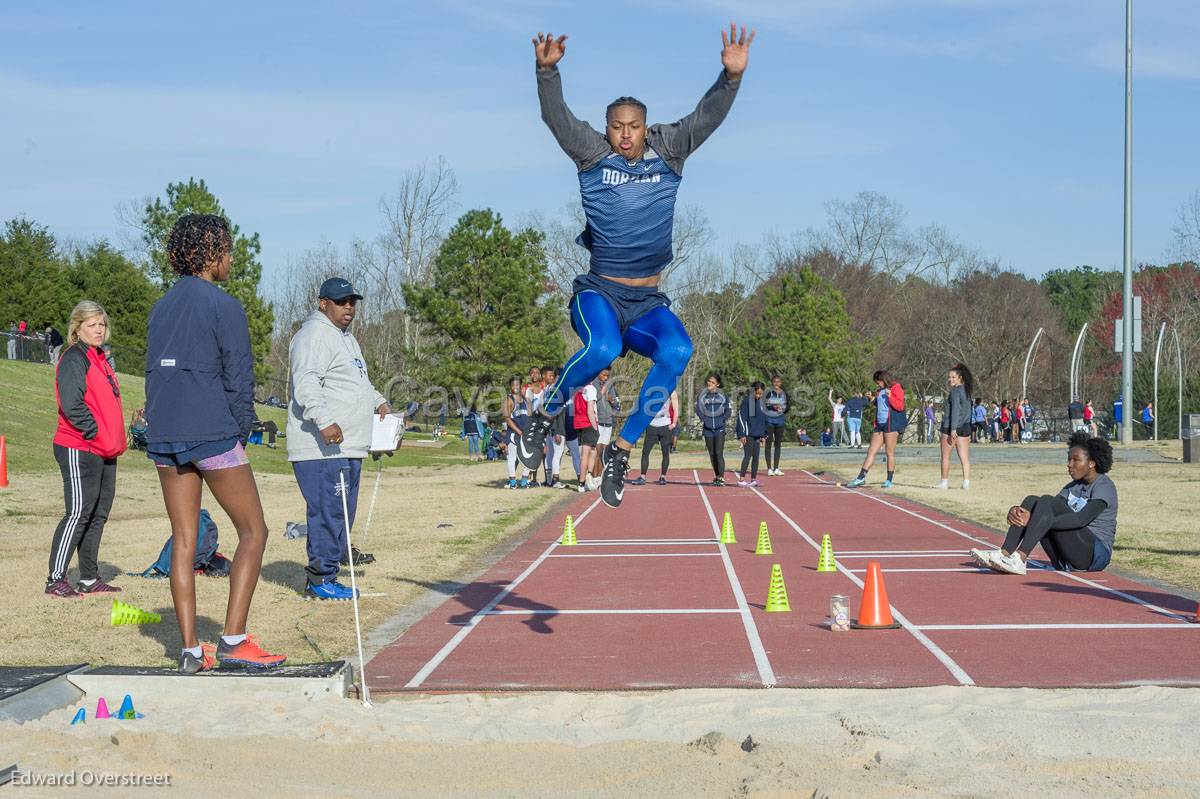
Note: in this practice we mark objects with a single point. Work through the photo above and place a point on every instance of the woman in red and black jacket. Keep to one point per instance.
(90, 436)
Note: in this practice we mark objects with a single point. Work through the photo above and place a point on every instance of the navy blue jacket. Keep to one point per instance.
(752, 418)
(714, 409)
(199, 370)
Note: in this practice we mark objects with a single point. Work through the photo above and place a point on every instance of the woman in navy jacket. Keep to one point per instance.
(713, 408)
(751, 432)
(200, 408)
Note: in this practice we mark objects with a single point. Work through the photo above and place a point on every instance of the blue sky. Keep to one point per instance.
(998, 119)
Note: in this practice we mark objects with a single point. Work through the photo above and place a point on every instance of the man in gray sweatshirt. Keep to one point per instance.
(329, 429)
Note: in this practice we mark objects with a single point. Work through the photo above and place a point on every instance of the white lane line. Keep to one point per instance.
(482, 613)
(601, 612)
(880, 500)
(1140, 626)
(645, 555)
(977, 569)
(765, 672)
(902, 552)
(649, 542)
(945, 659)
(1069, 575)
(888, 554)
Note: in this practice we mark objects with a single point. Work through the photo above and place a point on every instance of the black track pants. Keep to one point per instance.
(89, 483)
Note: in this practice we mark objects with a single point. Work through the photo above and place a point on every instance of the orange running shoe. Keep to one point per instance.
(247, 654)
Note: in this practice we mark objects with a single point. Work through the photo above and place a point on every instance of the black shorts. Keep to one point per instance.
(588, 436)
(630, 302)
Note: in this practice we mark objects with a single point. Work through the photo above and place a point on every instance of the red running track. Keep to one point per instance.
(650, 599)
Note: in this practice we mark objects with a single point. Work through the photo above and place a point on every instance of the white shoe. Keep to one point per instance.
(1009, 564)
(779, 472)
(966, 485)
(592, 482)
(943, 485)
(984, 557)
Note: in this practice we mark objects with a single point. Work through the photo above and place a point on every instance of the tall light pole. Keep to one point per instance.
(1127, 294)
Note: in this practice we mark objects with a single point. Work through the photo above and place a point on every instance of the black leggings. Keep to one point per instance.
(750, 457)
(1052, 524)
(775, 443)
(662, 437)
(716, 453)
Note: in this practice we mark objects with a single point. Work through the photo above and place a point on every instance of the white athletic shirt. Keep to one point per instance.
(839, 410)
(663, 417)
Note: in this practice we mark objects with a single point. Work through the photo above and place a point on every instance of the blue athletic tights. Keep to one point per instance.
(658, 335)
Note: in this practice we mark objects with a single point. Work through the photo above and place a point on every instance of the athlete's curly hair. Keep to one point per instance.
(196, 241)
(620, 101)
(1098, 450)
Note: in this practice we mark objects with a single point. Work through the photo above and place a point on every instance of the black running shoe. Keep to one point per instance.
(612, 484)
(531, 445)
(360, 558)
(96, 587)
(190, 664)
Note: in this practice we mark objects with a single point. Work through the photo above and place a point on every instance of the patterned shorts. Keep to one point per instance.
(235, 456)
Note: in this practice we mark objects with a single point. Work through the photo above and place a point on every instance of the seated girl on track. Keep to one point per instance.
(1076, 528)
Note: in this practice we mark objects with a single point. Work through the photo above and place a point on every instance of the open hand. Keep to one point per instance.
(549, 51)
(736, 51)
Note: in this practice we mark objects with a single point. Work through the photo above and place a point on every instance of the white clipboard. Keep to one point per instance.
(386, 432)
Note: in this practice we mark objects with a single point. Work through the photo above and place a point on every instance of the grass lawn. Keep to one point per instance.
(437, 517)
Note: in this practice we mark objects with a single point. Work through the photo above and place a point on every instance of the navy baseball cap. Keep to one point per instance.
(337, 288)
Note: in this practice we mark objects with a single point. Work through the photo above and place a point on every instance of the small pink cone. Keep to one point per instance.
(102, 709)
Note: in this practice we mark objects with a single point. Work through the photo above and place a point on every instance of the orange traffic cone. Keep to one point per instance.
(3, 463)
(874, 613)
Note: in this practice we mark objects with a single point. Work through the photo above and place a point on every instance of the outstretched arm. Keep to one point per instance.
(678, 140)
(579, 140)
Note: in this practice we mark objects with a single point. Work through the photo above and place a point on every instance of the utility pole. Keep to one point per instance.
(1127, 293)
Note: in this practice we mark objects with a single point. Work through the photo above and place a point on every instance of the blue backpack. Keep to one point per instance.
(207, 558)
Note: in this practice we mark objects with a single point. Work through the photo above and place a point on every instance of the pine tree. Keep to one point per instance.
(485, 306)
(194, 197)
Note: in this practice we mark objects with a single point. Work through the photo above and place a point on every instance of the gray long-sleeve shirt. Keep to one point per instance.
(674, 141)
(958, 410)
(630, 204)
(329, 386)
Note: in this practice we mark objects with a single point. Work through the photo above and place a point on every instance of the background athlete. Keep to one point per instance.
(628, 179)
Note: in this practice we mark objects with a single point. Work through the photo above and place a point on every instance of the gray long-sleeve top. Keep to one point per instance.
(329, 385)
(958, 410)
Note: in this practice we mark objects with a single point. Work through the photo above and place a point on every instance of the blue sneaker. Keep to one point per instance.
(524, 483)
(856, 482)
(330, 590)
(886, 484)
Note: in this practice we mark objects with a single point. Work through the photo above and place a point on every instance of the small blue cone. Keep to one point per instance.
(127, 711)
(80, 717)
